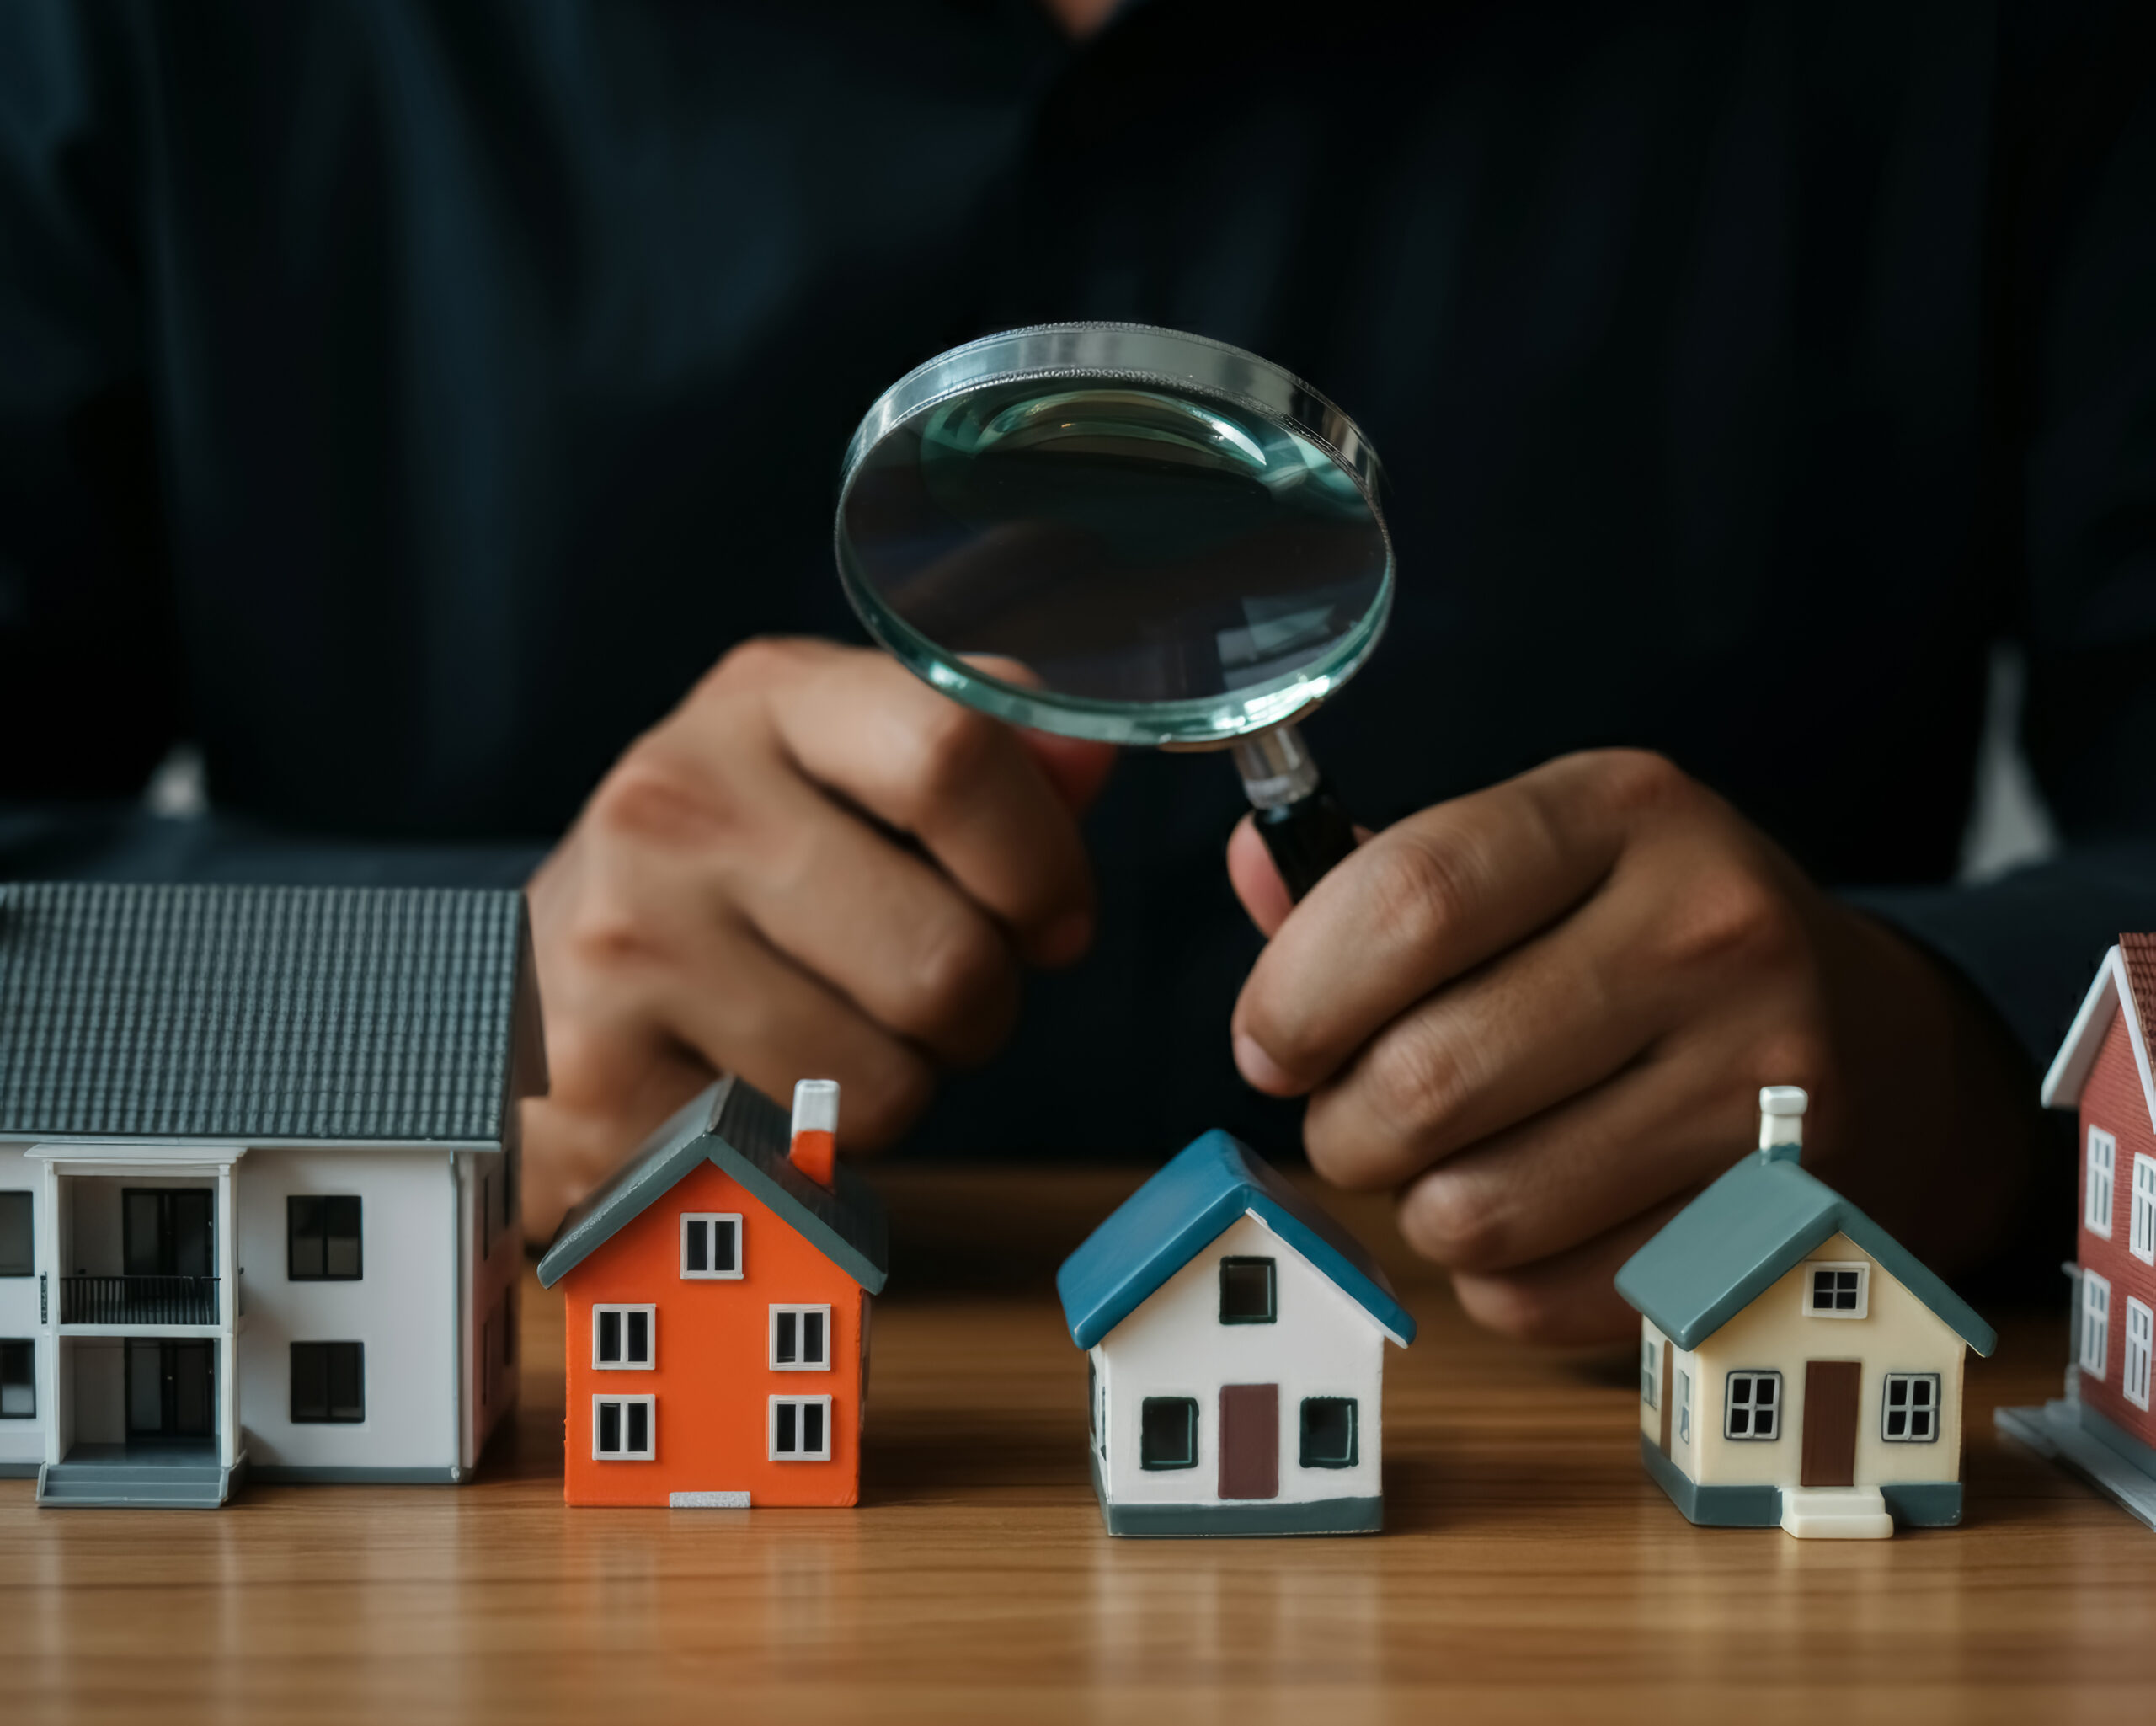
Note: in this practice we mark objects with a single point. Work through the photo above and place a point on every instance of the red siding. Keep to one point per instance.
(2113, 1100)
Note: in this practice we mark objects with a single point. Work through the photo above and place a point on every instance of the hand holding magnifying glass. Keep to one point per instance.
(1180, 542)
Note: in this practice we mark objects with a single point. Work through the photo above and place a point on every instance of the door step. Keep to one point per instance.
(195, 1486)
(1836, 1513)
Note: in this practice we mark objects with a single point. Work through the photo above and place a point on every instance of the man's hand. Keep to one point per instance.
(1542, 1013)
(817, 865)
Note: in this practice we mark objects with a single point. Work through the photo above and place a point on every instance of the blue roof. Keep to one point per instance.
(1174, 1216)
(1722, 1251)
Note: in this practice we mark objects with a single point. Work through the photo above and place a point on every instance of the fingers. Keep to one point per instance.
(1256, 879)
(1425, 901)
(1568, 1300)
(960, 782)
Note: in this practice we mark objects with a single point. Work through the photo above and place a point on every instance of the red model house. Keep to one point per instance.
(717, 1289)
(2103, 1427)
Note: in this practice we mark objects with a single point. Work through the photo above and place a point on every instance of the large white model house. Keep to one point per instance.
(1236, 1335)
(258, 1184)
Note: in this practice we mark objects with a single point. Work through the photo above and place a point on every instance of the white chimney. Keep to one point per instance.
(1781, 1122)
(815, 1149)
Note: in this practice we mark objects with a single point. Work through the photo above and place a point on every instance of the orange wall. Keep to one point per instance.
(712, 1376)
(2112, 1100)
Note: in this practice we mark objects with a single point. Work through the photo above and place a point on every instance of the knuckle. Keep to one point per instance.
(963, 967)
(1414, 1079)
(1522, 1309)
(646, 798)
(947, 747)
(1454, 1220)
(1640, 782)
(1420, 885)
(751, 663)
(1733, 916)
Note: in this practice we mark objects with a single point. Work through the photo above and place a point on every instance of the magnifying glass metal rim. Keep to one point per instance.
(1146, 356)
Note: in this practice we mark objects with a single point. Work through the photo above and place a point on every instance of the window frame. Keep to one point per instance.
(329, 1402)
(798, 1313)
(1752, 1406)
(1354, 1407)
(623, 1309)
(621, 1400)
(1683, 1406)
(1189, 1405)
(1862, 1266)
(28, 1346)
(770, 1429)
(2095, 1217)
(29, 1197)
(1887, 1410)
(2140, 1362)
(293, 1235)
(740, 1247)
(1244, 1261)
(2141, 1230)
(1651, 1371)
(2095, 1323)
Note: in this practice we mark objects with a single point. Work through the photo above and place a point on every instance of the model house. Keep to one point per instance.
(258, 1184)
(1236, 1337)
(717, 1294)
(1797, 1366)
(2102, 1428)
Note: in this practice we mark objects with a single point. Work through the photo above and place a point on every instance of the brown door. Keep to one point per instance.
(1250, 1440)
(1669, 1384)
(1830, 1391)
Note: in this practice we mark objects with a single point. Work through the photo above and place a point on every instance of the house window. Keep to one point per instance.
(1910, 1412)
(1247, 1292)
(2141, 1237)
(329, 1383)
(624, 1428)
(710, 1245)
(1093, 1406)
(1753, 1410)
(1837, 1291)
(17, 1257)
(1684, 1408)
(801, 1339)
(1167, 1432)
(322, 1240)
(801, 1429)
(624, 1338)
(2140, 1335)
(2096, 1190)
(19, 1379)
(1650, 1366)
(486, 1216)
(2095, 1323)
(1328, 1432)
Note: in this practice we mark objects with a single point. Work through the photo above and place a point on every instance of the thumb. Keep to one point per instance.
(1257, 881)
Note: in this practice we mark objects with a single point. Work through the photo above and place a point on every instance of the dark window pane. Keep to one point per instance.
(784, 1416)
(141, 1215)
(812, 1338)
(1740, 1422)
(18, 1381)
(347, 1399)
(610, 1429)
(610, 1338)
(1763, 1424)
(639, 1337)
(812, 1428)
(1167, 1433)
(723, 1257)
(696, 1246)
(1764, 1395)
(1920, 1425)
(1920, 1392)
(15, 1255)
(1898, 1422)
(310, 1382)
(1328, 1432)
(639, 1415)
(782, 1338)
(308, 1261)
(1246, 1291)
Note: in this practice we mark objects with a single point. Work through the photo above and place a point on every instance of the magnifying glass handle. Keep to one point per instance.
(1303, 824)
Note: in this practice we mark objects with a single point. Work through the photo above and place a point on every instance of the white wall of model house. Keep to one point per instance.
(22, 1442)
(1322, 1344)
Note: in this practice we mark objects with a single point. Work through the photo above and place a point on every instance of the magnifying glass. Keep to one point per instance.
(1115, 531)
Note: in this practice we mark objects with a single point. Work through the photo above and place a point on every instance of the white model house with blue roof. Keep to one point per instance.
(1236, 1335)
(1798, 1366)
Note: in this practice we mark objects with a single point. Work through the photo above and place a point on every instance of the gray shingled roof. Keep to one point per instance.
(262, 1013)
(746, 1134)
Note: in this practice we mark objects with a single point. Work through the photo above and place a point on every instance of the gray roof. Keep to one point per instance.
(264, 1013)
(746, 1134)
(1722, 1251)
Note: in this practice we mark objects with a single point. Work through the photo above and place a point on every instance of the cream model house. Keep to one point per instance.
(1797, 1366)
(258, 1184)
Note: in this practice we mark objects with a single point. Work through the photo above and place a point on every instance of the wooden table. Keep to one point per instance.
(1530, 1571)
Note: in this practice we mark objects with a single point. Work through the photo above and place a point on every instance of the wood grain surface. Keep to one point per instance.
(1530, 1571)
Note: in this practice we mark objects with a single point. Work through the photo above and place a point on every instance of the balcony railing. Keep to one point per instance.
(138, 1299)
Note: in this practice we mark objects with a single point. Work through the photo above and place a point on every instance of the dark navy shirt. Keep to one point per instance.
(405, 402)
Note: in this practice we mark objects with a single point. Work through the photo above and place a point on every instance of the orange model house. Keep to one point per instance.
(717, 1288)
